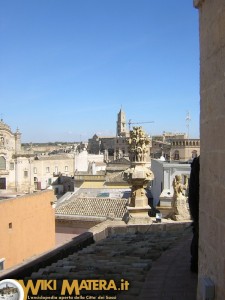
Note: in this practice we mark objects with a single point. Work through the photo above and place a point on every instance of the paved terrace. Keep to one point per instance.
(153, 258)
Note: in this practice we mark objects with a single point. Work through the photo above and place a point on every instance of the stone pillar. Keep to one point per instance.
(138, 175)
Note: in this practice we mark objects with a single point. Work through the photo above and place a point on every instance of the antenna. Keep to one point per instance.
(129, 123)
(188, 120)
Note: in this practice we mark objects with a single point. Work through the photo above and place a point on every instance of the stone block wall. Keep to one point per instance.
(212, 123)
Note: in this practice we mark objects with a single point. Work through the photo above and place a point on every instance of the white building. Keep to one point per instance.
(164, 173)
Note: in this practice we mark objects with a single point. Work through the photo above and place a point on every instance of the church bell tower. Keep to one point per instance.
(121, 124)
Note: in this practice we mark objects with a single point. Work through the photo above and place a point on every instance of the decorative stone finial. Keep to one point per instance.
(138, 142)
(138, 175)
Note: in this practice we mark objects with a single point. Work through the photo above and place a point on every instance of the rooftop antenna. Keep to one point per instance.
(130, 123)
(188, 120)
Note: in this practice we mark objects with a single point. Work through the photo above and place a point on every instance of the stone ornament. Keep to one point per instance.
(178, 187)
(179, 209)
(138, 142)
(138, 176)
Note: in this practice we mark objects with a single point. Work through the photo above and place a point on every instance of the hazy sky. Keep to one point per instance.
(67, 66)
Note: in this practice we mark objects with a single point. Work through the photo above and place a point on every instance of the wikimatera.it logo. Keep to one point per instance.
(66, 290)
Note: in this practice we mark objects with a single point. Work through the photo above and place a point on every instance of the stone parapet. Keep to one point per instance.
(97, 234)
(118, 254)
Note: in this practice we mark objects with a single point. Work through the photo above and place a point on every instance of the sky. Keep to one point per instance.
(67, 67)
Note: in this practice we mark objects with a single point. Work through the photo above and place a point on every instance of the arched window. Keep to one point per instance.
(2, 163)
(176, 155)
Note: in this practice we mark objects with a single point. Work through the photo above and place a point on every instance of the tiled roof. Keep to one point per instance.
(93, 207)
(93, 192)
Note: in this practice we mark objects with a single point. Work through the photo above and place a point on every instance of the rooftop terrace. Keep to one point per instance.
(154, 259)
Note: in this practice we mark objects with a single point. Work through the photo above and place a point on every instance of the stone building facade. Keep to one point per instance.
(46, 169)
(14, 164)
(212, 120)
(99, 144)
(175, 147)
(23, 171)
(184, 149)
(116, 146)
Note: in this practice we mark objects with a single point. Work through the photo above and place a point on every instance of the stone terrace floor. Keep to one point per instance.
(155, 263)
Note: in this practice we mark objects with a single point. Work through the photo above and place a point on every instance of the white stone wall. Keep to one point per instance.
(212, 170)
(81, 161)
(164, 173)
(156, 189)
(95, 157)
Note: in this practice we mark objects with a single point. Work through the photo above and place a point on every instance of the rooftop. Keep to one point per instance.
(100, 207)
(153, 258)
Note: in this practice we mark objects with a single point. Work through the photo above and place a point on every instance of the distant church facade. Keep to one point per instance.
(24, 172)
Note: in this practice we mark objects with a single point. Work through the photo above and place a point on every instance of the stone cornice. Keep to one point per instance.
(198, 3)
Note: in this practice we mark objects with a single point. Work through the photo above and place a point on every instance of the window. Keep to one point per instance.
(47, 170)
(2, 183)
(2, 163)
(35, 170)
(2, 260)
(10, 225)
(11, 166)
(49, 181)
(25, 174)
(176, 155)
(66, 168)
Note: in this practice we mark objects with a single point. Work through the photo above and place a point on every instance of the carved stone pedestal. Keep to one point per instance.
(138, 215)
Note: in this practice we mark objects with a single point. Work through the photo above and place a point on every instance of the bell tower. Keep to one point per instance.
(121, 124)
